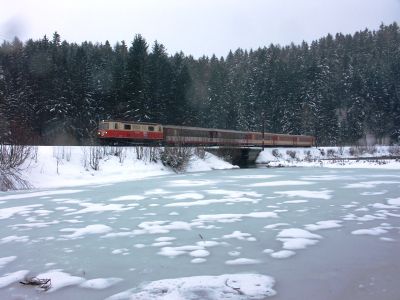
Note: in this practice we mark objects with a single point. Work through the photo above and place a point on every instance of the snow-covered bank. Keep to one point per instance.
(332, 157)
(56, 166)
(52, 167)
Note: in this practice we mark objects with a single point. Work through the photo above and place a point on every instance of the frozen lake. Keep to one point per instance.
(293, 233)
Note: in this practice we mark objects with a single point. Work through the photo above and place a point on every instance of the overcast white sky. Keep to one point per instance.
(196, 27)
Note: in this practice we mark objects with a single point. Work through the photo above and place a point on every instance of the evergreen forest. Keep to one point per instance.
(339, 88)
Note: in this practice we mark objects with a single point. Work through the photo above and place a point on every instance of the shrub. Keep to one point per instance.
(308, 156)
(200, 152)
(331, 153)
(291, 153)
(91, 157)
(394, 150)
(12, 159)
(276, 153)
(176, 157)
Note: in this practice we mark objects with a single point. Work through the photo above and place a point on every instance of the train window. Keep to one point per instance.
(151, 128)
(127, 126)
(115, 125)
(104, 126)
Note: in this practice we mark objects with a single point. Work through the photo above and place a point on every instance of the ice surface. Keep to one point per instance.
(234, 193)
(230, 286)
(369, 184)
(210, 201)
(136, 237)
(281, 183)
(39, 194)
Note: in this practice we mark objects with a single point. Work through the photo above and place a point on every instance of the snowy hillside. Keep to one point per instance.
(70, 166)
(334, 157)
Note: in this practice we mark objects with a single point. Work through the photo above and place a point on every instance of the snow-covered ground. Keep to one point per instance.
(63, 166)
(332, 157)
(59, 166)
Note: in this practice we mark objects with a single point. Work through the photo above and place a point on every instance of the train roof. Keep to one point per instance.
(231, 131)
(130, 122)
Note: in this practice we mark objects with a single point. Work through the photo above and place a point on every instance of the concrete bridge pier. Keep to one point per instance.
(242, 157)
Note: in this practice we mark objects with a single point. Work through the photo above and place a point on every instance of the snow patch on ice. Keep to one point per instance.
(10, 278)
(295, 201)
(6, 260)
(237, 235)
(323, 225)
(370, 231)
(273, 226)
(90, 229)
(99, 207)
(8, 212)
(242, 261)
(297, 233)
(234, 194)
(128, 198)
(100, 283)
(228, 286)
(281, 183)
(297, 243)
(282, 254)
(394, 201)
(229, 218)
(189, 183)
(326, 194)
(198, 260)
(184, 196)
(60, 279)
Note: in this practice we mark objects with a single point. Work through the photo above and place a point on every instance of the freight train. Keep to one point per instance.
(118, 132)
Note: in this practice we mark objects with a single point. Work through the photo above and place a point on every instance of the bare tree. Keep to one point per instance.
(12, 162)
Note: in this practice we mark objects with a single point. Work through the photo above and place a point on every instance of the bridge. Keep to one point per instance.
(241, 156)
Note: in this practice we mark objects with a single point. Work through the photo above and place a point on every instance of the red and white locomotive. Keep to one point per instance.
(126, 132)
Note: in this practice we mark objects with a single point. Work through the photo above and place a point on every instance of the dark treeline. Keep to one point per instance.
(340, 88)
